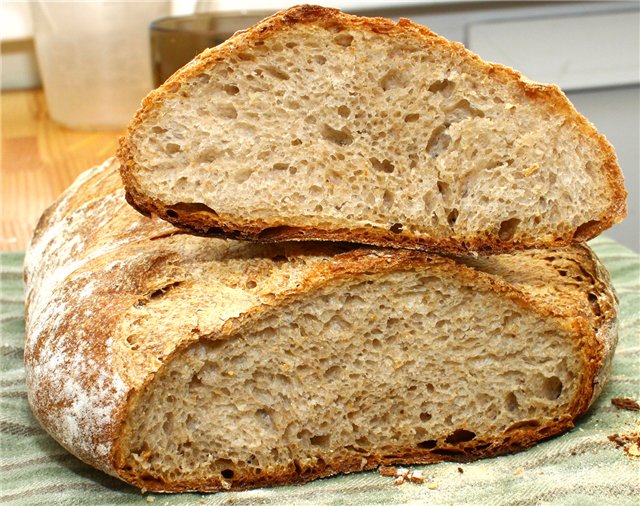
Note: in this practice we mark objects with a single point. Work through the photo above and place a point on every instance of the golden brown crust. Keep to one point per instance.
(132, 258)
(210, 224)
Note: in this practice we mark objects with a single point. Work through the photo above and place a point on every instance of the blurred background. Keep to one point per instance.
(73, 73)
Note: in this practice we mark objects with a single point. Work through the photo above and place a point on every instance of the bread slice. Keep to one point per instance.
(178, 362)
(320, 125)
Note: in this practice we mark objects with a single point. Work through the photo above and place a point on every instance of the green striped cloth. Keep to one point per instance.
(581, 467)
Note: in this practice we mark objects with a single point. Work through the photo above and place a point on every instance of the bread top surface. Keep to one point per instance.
(554, 109)
(111, 296)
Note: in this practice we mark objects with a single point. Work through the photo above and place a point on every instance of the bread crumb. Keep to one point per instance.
(432, 486)
(401, 474)
(531, 170)
(630, 443)
(415, 477)
(225, 484)
(460, 470)
(626, 403)
(633, 450)
(518, 472)
(150, 499)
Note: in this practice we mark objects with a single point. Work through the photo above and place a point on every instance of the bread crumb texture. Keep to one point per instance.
(330, 122)
(187, 363)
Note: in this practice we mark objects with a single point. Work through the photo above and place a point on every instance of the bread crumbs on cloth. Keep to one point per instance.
(401, 474)
(625, 403)
(630, 443)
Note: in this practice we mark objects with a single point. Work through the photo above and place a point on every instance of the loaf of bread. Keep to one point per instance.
(315, 124)
(177, 362)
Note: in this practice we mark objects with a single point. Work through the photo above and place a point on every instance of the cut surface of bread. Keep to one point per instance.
(179, 363)
(315, 124)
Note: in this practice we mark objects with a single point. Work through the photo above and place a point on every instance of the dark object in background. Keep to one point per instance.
(175, 41)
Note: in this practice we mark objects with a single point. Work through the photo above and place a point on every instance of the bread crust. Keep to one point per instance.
(210, 224)
(84, 377)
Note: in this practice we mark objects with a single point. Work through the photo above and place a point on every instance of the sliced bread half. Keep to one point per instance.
(315, 124)
(181, 363)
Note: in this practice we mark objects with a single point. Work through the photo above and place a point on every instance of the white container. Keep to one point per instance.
(94, 59)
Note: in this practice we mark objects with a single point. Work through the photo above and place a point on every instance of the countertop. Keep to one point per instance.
(39, 160)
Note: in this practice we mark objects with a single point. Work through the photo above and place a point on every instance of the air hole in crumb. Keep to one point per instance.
(344, 111)
(292, 170)
(332, 372)
(586, 230)
(508, 229)
(246, 56)
(430, 387)
(320, 60)
(425, 417)
(276, 72)
(251, 284)
(452, 217)
(172, 148)
(524, 424)
(392, 79)
(208, 155)
(460, 436)
(242, 175)
(438, 142)
(383, 166)
(171, 213)
(512, 402)
(231, 89)
(463, 109)
(321, 440)
(411, 118)
(562, 272)
(387, 198)
(443, 187)
(428, 445)
(280, 166)
(443, 86)
(227, 111)
(396, 228)
(343, 39)
(158, 130)
(227, 474)
(291, 45)
(552, 388)
(296, 142)
(340, 137)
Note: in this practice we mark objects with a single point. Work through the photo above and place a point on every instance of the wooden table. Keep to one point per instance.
(39, 160)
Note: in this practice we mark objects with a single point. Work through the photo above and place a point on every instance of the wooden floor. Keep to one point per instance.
(39, 160)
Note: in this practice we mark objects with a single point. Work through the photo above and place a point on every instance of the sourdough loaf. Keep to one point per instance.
(315, 124)
(177, 362)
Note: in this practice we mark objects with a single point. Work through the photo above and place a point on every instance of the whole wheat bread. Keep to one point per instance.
(177, 362)
(315, 124)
